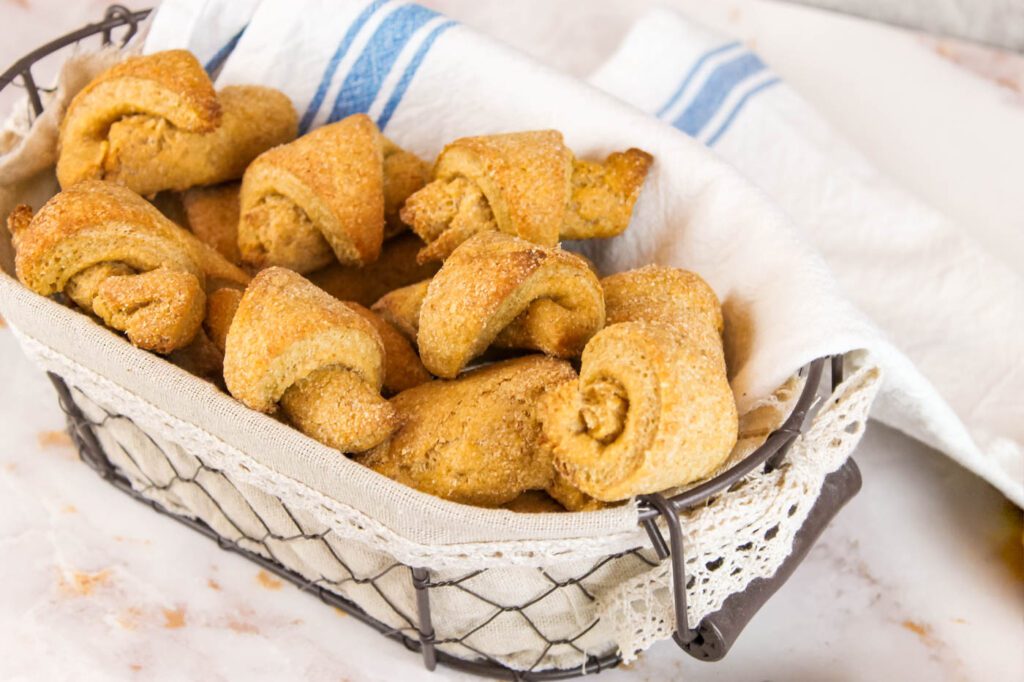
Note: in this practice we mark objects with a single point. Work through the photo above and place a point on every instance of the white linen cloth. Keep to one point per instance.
(935, 293)
(955, 310)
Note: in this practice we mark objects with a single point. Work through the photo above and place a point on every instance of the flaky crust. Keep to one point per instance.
(99, 242)
(221, 306)
(401, 308)
(212, 215)
(321, 198)
(402, 367)
(293, 345)
(677, 298)
(395, 268)
(604, 194)
(404, 174)
(500, 289)
(474, 439)
(525, 184)
(652, 408)
(154, 123)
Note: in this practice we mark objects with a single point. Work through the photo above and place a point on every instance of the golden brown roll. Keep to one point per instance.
(401, 308)
(676, 298)
(525, 184)
(475, 439)
(201, 357)
(402, 367)
(395, 268)
(652, 408)
(321, 198)
(154, 123)
(294, 346)
(502, 290)
(404, 174)
(116, 256)
(571, 497)
(212, 215)
(221, 306)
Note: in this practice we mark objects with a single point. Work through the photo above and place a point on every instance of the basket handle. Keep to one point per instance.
(718, 631)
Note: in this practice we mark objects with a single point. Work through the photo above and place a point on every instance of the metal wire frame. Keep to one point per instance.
(707, 641)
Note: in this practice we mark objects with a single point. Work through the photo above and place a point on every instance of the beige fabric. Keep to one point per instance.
(329, 543)
(262, 481)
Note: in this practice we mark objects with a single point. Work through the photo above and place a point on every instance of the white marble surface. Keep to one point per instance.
(920, 577)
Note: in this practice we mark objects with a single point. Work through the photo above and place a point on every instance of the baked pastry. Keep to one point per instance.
(293, 346)
(475, 439)
(154, 123)
(321, 198)
(502, 290)
(401, 308)
(652, 408)
(395, 268)
(404, 174)
(526, 184)
(116, 256)
(221, 306)
(402, 367)
(212, 215)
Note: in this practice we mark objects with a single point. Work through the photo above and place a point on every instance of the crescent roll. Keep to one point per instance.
(395, 268)
(401, 308)
(116, 256)
(323, 197)
(652, 408)
(525, 184)
(212, 215)
(475, 439)
(402, 367)
(502, 290)
(154, 123)
(294, 347)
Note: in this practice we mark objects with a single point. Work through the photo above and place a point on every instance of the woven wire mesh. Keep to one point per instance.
(369, 584)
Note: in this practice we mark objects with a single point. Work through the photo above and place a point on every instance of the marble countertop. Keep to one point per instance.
(920, 577)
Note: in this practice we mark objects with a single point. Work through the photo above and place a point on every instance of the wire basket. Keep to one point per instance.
(402, 601)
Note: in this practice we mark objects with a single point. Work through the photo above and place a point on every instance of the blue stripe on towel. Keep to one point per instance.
(221, 56)
(364, 80)
(736, 109)
(332, 65)
(693, 72)
(410, 73)
(716, 88)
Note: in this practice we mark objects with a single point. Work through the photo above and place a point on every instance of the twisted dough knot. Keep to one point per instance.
(154, 123)
(117, 257)
(652, 408)
(294, 346)
(499, 290)
(486, 455)
(526, 184)
(325, 197)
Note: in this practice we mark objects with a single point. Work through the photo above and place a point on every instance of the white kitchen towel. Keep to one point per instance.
(957, 312)
(209, 29)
